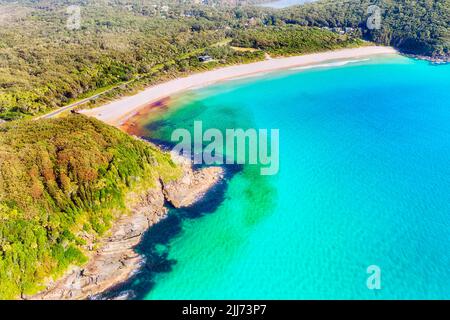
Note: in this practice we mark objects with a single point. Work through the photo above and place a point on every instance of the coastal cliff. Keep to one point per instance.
(116, 260)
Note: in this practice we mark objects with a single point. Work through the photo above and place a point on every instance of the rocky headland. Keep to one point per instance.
(116, 260)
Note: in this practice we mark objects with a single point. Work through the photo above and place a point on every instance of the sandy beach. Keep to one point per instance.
(116, 112)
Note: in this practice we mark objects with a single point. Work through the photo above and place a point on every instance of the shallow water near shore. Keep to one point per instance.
(364, 180)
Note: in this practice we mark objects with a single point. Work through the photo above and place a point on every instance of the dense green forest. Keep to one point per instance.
(414, 26)
(44, 65)
(291, 40)
(60, 180)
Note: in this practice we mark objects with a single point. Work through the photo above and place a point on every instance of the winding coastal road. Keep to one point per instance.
(68, 107)
(71, 106)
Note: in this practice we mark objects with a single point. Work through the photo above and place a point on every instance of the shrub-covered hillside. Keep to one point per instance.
(291, 40)
(121, 46)
(44, 65)
(59, 178)
(413, 26)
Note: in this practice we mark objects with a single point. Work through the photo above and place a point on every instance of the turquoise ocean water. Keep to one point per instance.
(364, 180)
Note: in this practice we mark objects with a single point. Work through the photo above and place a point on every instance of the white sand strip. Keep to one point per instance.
(119, 110)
